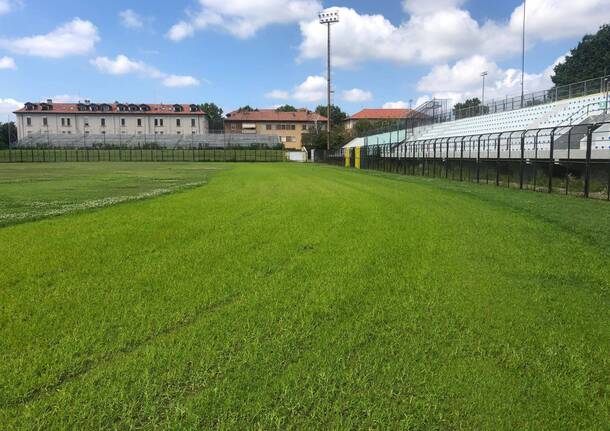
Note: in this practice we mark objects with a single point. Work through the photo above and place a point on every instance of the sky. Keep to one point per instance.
(265, 53)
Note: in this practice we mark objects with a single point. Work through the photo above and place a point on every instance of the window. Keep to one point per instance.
(291, 138)
(139, 132)
(103, 132)
(161, 122)
(269, 127)
(233, 126)
(177, 122)
(139, 122)
(86, 121)
(28, 121)
(44, 121)
(103, 122)
(68, 122)
(63, 122)
(179, 132)
(122, 122)
(293, 127)
(304, 127)
(193, 124)
(87, 132)
(156, 122)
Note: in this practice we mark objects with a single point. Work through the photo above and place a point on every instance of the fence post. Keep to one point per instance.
(522, 161)
(462, 159)
(551, 159)
(434, 159)
(588, 161)
(447, 160)
(479, 159)
(498, 159)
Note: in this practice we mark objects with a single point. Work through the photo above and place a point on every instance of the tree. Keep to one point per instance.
(337, 116)
(467, 108)
(247, 108)
(589, 60)
(7, 129)
(215, 114)
(286, 108)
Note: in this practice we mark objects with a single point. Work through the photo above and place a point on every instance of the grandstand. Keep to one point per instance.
(547, 120)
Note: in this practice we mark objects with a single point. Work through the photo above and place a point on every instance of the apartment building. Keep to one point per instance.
(110, 118)
(289, 126)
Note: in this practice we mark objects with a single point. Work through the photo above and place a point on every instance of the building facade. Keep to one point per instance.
(109, 119)
(288, 126)
(379, 116)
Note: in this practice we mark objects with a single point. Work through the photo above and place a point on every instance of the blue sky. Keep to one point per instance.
(270, 52)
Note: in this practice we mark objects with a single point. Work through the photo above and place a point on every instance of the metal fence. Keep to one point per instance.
(570, 159)
(22, 155)
(207, 140)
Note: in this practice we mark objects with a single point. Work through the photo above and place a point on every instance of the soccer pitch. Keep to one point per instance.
(285, 296)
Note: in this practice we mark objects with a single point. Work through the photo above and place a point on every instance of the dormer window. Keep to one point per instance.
(94, 107)
(104, 107)
(121, 107)
(194, 108)
(134, 108)
(178, 108)
(145, 108)
(30, 106)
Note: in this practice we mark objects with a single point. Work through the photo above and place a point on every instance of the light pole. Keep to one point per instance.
(328, 18)
(483, 75)
(523, 58)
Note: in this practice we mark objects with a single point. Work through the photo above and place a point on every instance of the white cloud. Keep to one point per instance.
(123, 65)
(559, 19)
(421, 7)
(395, 105)
(243, 18)
(7, 63)
(131, 19)
(442, 31)
(180, 81)
(5, 7)
(7, 106)
(463, 80)
(76, 37)
(313, 89)
(277, 94)
(356, 95)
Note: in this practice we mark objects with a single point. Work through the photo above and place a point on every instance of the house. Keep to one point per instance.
(288, 126)
(385, 116)
(110, 119)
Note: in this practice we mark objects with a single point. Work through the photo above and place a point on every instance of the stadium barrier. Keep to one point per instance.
(568, 160)
(131, 154)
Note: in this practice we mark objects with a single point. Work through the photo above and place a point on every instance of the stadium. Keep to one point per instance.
(438, 265)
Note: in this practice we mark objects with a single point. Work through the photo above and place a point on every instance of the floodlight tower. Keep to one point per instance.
(523, 58)
(483, 75)
(328, 18)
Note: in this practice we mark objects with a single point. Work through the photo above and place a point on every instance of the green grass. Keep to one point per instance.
(282, 296)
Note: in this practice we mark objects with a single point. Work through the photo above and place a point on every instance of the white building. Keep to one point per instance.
(110, 119)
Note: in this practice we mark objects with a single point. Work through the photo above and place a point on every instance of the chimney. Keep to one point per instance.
(49, 101)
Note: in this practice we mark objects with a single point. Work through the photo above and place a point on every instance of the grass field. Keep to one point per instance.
(279, 296)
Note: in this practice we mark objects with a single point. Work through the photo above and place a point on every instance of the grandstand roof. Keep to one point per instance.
(381, 114)
(301, 115)
(111, 108)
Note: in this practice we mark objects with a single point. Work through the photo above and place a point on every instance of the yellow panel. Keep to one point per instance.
(347, 154)
(357, 159)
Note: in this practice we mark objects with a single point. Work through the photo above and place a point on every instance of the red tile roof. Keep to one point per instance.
(302, 115)
(381, 114)
(72, 108)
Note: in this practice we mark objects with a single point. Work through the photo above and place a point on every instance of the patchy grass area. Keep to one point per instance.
(300, 297)
(33, 191)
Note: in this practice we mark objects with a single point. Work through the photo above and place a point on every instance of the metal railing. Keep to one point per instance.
(566, 159)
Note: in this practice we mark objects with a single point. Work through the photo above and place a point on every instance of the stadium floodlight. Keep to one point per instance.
(523, 58)
(328, 17)
(483, 75)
